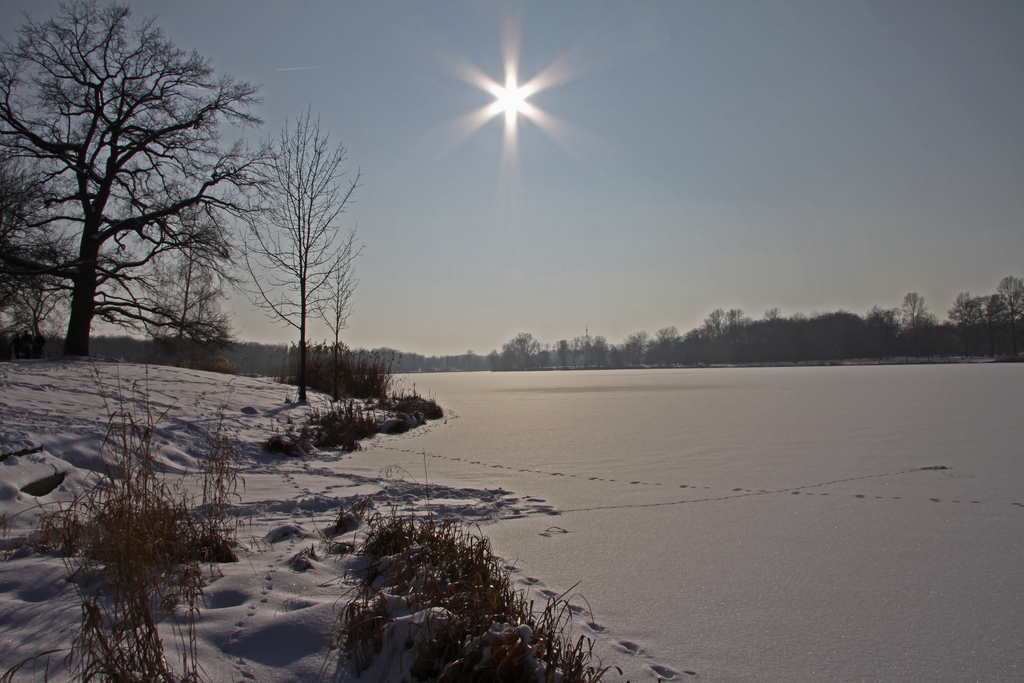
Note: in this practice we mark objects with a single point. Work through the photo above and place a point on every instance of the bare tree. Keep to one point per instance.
(882, 331)
(715, 323)
(966, 314)
(188, 294)
(519, 353)
(294, 246)
(563, 352)
(599, 351)
(1011, 291)
(913, 310)
(542, 358)
(636, 346)
(666, 340)
(916, 318)
(993, 316)
(336, 307)
(35, 305)
(20, 202)
(122, 128)
(578, 348)
(736, 321)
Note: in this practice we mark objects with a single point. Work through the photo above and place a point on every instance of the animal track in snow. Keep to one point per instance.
(629, 647)
(736, 492)
(664, 673)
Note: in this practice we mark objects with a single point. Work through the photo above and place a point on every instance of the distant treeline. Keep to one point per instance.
(247, 358)
(974, 326)
(254, 358)
(988, 325)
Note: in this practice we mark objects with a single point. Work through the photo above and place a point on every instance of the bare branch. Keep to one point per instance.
(296, 258)
(122, 128)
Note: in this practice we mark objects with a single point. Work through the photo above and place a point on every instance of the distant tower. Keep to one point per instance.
(586, 346)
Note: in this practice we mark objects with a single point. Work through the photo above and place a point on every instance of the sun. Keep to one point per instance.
(511, 100)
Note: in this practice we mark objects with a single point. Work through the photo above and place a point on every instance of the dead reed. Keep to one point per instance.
(436, 590)
(343, 424)
(210, 363)
(338, 425)
(134, 547)
(343, 372)
(413, 404)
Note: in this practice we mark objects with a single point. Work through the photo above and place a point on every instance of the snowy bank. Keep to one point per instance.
(272, 616)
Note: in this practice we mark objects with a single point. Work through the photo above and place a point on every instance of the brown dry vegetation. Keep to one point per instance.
(340, 425)
(471, 623)
(210, 364)
(134, 547)
(359, 374)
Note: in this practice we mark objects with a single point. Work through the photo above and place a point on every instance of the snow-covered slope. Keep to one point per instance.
(264, 620)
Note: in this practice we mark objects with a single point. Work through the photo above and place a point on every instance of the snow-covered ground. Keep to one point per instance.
(755, 524)
(760, 524)
(263, 619)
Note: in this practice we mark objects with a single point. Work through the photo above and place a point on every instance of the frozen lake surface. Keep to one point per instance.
(768, 524)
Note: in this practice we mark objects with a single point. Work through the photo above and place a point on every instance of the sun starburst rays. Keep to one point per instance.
(511, 99)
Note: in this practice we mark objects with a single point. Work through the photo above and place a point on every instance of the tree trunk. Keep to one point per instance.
(335, 372)
(83, 303)
(301, 380)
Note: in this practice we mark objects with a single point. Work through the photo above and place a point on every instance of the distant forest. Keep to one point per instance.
(987, 325)
(975, 326)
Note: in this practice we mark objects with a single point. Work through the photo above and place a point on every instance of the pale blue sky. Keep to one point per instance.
(805, 155)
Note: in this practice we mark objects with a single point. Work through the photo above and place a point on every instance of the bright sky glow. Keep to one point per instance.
(512, 101)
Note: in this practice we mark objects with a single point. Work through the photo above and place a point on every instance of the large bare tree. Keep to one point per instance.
(520, 352)
(993, 316)
(122, 130)
(636, 346)
(295, 248)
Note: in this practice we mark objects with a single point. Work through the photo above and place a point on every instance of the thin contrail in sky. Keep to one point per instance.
(299, 68)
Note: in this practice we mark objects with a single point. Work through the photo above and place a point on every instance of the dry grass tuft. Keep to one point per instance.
(343, 424)
(414, 404)
(292, 443)
(348, 519)
(436, 590)
(134, 549)
(210, 364)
